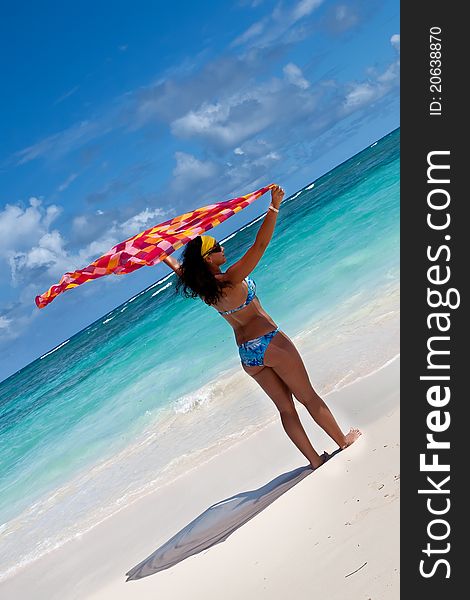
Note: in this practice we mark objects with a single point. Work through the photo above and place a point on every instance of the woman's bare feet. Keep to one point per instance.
(323, 457)
(351, 437)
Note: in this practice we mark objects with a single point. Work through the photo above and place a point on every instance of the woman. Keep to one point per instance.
(266, 353)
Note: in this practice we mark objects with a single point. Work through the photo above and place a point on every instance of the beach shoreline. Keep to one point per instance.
(358, 486)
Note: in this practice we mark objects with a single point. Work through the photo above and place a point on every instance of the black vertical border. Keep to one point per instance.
(422, 133)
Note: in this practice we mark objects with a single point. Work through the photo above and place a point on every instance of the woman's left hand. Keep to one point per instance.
(277, 194)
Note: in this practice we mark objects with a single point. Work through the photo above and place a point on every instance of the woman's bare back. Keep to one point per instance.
(251, 321)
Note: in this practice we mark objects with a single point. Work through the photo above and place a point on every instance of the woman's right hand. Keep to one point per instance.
(277, 194)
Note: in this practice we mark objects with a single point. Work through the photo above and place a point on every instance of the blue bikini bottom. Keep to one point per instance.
(252, 352)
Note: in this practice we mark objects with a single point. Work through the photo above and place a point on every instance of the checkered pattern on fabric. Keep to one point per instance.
(153, 245)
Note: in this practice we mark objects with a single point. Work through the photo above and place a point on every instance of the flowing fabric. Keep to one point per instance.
(153, 245)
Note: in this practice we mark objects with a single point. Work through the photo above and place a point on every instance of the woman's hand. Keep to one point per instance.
(277, 194)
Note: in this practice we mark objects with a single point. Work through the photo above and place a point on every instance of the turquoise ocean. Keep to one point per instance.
(154, 388)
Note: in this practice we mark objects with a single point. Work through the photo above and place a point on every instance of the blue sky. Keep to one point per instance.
(117, 116)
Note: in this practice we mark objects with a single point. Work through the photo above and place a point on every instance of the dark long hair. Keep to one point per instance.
(196, 279)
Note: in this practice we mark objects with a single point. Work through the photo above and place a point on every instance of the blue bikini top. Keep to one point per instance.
(251, 294)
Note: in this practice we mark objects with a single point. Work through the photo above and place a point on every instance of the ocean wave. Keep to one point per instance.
(294, 196)
(192, 401)
(163, 288)
(54, 349)
(108, 320)
(228, 238)
(311, 186)
(160, 281)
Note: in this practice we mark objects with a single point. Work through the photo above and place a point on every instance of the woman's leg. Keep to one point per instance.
(279, 393)
(283, 357)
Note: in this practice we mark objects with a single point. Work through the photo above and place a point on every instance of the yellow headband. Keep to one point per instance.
(207, 243)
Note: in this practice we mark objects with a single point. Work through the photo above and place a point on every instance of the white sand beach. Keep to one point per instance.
(334, 535)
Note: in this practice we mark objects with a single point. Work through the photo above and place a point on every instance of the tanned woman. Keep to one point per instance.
(267, 354)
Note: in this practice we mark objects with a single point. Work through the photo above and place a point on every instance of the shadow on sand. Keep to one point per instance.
(217, 523)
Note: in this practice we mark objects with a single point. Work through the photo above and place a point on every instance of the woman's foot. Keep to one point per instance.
(351, 437)
(324, 457)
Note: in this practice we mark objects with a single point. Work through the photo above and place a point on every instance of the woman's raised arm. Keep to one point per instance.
(173, 264)
(252, 256)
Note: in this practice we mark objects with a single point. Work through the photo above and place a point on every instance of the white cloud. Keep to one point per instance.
(21, 227)
(270, 29)
(52, 212)
(237, 117)
(61, 143)
(116, 233)
(201, 120)
(253, 149)
(252, 32)
(304, 8)
(49, 246)
(142, 221)
(190, 170)
(267, 160)
(93, 250)
(295, 76)
(47, 254)
(63, 186)
(365, 93)
(5, 322)
(48, 258)
(391, 74)
(271, 108)
(80, 223)
(224, 123)
(344, 17)
(360, 95)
